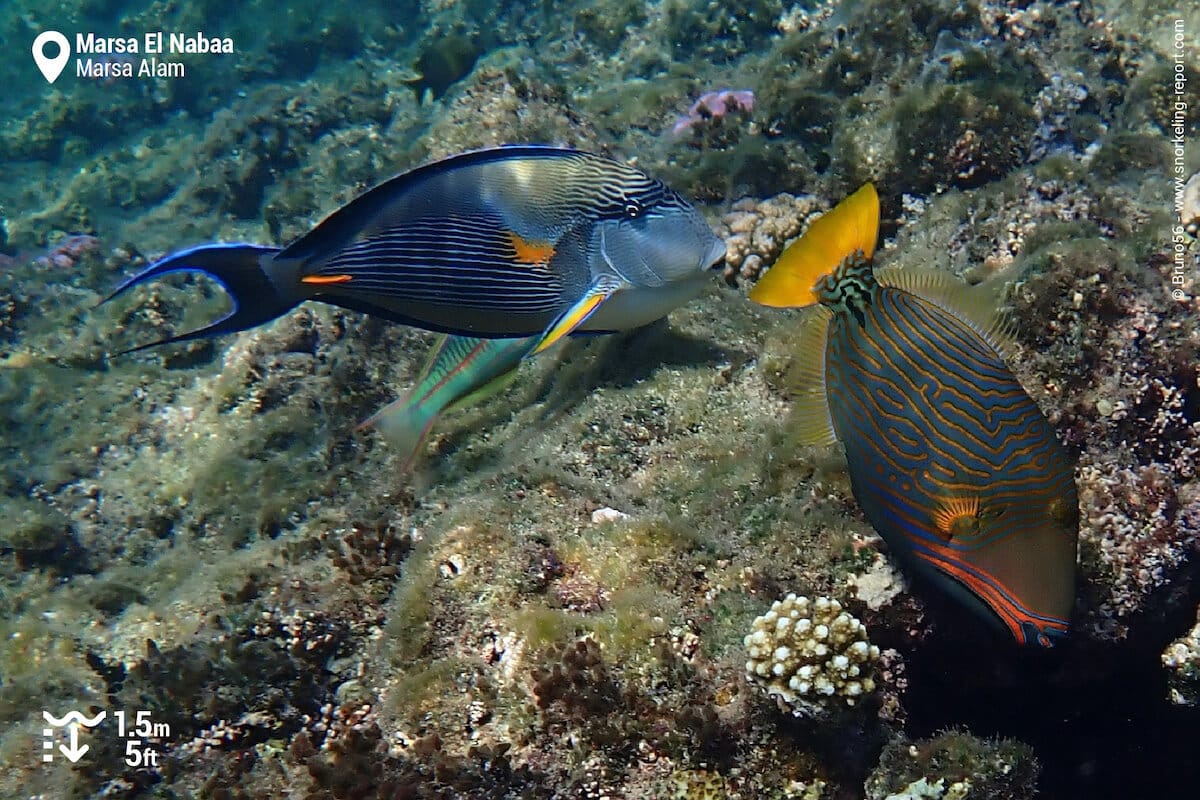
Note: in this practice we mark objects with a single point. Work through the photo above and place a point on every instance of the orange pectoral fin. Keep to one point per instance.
(853, 225)
(321, 280)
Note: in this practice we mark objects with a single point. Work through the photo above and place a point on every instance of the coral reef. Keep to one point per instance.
(1182, 662)
(1143, 524)
(962, 137)
(500, 104)
(954, 765)
(322, 624)
(810, 652)
(67, 252)
(37, 534)
(713, 106)
(580, 683)
(757, 231)
(1121, 372)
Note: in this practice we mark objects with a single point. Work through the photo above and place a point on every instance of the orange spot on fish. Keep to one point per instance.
(324, 279)
(534, 254)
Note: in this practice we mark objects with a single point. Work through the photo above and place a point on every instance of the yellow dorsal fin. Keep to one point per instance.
(852, 225)
(975, 306)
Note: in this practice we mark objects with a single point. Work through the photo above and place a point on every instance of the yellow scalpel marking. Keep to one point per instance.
(573, 319)
(323, 279)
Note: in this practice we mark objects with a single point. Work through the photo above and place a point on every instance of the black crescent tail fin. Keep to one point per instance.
(240, 269)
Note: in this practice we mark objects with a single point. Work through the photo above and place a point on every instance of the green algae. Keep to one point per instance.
(542, 628)
(421, 690)
(1003, 769)
(1051, 233)
(41, 663)
(960, 136)
(1131, 152)
(708, 30)
(227, 456)
(410, 610)
(35, 531)
(607, 25)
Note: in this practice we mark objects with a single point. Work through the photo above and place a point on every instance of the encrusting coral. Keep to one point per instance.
(807, 653)
(1182, 661)
(954, 765)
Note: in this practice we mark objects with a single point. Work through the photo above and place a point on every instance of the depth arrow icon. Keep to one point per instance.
(76, 751)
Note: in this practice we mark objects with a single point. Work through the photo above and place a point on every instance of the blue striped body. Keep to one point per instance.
(952, 462)
(950, 459)
(500, 243)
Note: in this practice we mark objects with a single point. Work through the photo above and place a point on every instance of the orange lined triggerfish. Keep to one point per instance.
(951, 461)
(507, 242)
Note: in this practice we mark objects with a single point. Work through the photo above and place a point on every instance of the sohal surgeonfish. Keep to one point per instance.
(500, 243)
(951, 461)
(460, 371)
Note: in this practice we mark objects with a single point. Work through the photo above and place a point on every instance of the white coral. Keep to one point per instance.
(756, 231)
(804, 651)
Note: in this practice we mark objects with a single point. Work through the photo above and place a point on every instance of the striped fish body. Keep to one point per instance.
(503, 242)
(953, 463)
(500, 243)
(479, 245)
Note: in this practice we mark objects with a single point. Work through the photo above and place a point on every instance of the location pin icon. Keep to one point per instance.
(51, 67)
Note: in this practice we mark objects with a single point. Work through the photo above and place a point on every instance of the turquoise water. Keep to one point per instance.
(198, 541)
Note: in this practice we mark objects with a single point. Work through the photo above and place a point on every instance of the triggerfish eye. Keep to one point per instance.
(951, 461)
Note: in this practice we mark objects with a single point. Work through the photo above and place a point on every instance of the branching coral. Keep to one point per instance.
(807, 653)
(756, 231)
